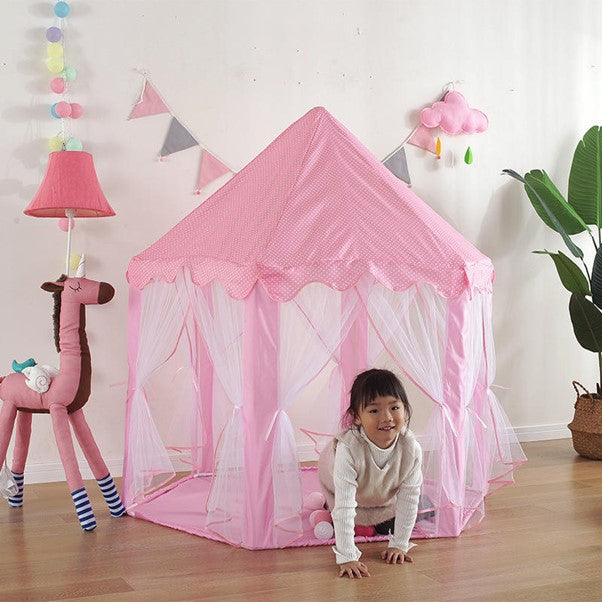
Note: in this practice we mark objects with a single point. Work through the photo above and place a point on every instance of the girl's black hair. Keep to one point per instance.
(369, 385)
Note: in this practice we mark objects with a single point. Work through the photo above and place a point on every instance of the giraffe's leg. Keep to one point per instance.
(7, 423)
(23, 436)
(97, 464)
(62, 434)
(8, 413)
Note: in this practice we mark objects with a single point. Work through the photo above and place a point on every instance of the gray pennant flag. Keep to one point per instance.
(178, 138)
(398, 165)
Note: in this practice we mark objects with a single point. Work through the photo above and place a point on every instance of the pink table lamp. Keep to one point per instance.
(70, 188)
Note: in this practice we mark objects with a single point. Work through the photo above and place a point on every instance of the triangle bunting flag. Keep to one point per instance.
(423, 138)
(150, 103)
(210, 169)
(178, 138)
(397, 164)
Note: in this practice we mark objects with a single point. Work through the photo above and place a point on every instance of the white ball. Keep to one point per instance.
(324, 530)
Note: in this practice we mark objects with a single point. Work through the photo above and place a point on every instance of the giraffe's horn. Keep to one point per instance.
(81, 268)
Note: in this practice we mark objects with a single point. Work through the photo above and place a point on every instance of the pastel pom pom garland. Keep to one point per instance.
(55, 62)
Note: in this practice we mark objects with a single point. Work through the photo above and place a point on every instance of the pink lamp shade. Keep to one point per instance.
(70, 183)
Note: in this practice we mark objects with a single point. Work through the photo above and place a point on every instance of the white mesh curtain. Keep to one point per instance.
(411, 326)
(220, 319)
(161, 320)
(311, 329)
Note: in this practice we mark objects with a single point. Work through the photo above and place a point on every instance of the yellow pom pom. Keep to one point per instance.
(55, 144)
(55, 50)
(55, 65)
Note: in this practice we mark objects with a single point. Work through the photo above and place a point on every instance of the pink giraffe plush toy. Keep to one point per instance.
(68, 392)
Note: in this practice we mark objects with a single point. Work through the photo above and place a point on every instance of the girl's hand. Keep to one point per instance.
(395, 556)
(352, 569)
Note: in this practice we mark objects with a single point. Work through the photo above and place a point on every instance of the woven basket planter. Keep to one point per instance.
(587, 424)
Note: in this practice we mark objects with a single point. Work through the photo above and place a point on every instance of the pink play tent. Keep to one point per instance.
(313, 258)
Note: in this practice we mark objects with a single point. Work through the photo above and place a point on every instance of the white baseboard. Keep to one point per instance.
(542, 432)
(53, 471)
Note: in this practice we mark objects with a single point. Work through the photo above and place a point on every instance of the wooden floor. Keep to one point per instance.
(541, 540)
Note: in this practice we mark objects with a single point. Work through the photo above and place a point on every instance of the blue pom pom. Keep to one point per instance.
(53, 111)
(61, 9)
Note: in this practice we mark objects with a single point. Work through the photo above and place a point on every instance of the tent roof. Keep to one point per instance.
(314, 206)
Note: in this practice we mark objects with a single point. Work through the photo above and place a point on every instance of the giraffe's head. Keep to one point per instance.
(81, 290)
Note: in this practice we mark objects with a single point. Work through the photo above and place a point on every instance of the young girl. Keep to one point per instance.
(371, 474)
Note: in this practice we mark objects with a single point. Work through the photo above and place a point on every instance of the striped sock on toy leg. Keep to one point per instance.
(83, 509)
(16, 501)
(109, 491)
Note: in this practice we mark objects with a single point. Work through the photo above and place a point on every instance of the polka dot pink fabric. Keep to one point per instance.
(314, 206)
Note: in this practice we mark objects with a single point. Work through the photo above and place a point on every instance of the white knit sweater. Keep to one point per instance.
(343, 514)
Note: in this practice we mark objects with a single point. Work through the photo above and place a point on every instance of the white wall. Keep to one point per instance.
(237, 73)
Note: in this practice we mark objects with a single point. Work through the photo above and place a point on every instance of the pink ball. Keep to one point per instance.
(323, 531)
(76, 110)
(64, 224)
(314, 500)
(63, 109)
(57, 85)
(319, 516)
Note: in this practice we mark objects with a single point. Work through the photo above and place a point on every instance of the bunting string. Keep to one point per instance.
(178, 137)
(450, 113)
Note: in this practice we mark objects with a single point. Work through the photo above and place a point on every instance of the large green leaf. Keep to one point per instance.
(585, 179)
(597, 279)
(587, 322)
(571, 276)
(560, 206)
(543, 193)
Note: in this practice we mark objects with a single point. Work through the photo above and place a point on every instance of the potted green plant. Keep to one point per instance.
(582, 212)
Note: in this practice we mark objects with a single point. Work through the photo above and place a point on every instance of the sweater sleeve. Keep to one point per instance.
(343, 513)
(406, 505)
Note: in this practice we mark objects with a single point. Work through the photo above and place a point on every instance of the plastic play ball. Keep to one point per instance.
(76, 110)
(319, 516)
(61, 9)
(323, 531)
(64, 226)
(55, 65)
(55, 50)
(74, 144)
(62, 109)
(55, 144)
(53, 111)
(57, 85)
(314, 500)
(54, 34)
(69, 74)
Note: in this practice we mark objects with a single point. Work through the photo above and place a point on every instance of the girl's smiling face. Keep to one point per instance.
(382, 419)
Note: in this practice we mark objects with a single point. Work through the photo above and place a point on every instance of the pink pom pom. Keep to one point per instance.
(323, 531)
(314, 500)
(63, 109)
(64, 224)
(319, 516)
(76, 110)
(57, 85)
